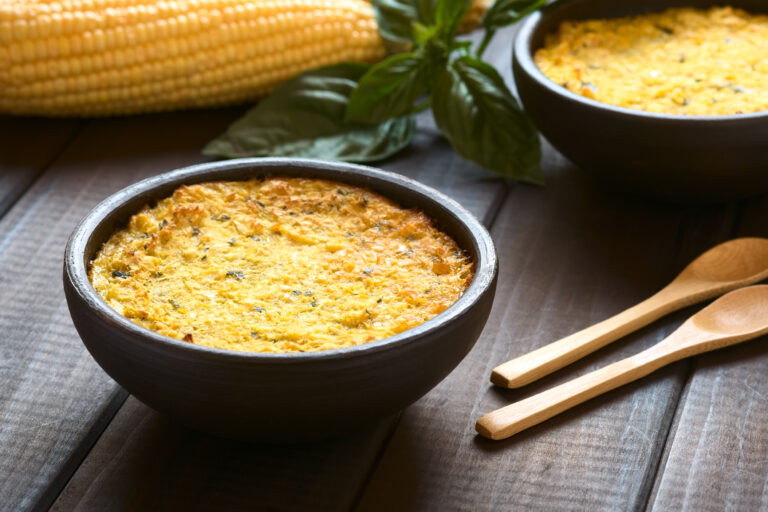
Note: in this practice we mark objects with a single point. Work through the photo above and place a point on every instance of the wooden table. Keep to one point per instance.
(693, 436)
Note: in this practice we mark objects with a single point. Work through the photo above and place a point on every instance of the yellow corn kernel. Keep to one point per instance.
(106, 57)
(475, 15)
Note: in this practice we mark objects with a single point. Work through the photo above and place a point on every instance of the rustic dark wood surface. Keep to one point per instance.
(54, 400)
(717, 455)
(693, 436)
(27, 147)
(570, 255)
(326, 477)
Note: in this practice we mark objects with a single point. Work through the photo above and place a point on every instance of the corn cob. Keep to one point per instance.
(474, 15)
(105, 57)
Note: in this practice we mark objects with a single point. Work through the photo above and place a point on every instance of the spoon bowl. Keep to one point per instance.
(735, 260)
(741, 312)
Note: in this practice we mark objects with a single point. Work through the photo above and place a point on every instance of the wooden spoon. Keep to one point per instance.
(723, 268)
(738, 316)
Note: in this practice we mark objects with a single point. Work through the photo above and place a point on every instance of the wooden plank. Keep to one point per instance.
(121, 462)
(27, 147)
(330, 474)
(570, 255)
(54, 400)
(123, 469)
(144, 461)
(716, 457)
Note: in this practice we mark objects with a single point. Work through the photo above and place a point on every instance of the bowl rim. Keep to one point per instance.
(522, 54)
(76, 273)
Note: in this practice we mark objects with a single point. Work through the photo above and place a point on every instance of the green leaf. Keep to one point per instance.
(426, 10)
(462, 46)
(389, 89)
(423, 33)
(304, 117)
(506, 12)
(395, 19)
(479, 116)
(449, 15)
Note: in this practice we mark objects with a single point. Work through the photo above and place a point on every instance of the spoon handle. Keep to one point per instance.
(545, 360)
(521, 415)
(738, 316)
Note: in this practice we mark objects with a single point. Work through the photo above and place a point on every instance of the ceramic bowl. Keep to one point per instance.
(278, 397)
(668, 157)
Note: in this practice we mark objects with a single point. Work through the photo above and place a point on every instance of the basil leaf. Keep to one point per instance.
(426, 10)
(388, 89)
(423, 33)
(304, 117)
(479, 116)
(449, 15)
(463, 46)
(507, 12)
(395, 19)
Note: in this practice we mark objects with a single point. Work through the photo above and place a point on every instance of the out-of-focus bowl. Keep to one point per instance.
(669, 157)
(278, 397)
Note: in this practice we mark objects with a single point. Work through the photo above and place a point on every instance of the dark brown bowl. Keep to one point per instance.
(669, 157)
(278, 397)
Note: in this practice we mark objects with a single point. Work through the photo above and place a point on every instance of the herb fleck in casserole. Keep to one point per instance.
(279, 265)
(680, 61)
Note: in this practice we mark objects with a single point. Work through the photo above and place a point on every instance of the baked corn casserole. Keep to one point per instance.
(679, 61)
(279, 265)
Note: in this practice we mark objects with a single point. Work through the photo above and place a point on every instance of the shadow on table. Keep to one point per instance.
(146, 461)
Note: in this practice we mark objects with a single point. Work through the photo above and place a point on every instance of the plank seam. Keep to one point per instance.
(5, 208)
(495, 209)
(358, 496)
(669, 437)
(74, 461)
(658, 471)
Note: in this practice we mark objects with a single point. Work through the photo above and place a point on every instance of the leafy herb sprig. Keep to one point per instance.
(360, 113)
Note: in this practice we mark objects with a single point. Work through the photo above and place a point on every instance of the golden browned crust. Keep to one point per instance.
(280, 265)
(680, 61)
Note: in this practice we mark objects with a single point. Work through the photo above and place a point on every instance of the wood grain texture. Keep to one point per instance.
(716, 457)
(326, 476)
(144, 461)
(728, 266)
(27, 147)
(603, 455)
(140, 445)
(54, 400)
(570, 255)
(736, 317)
